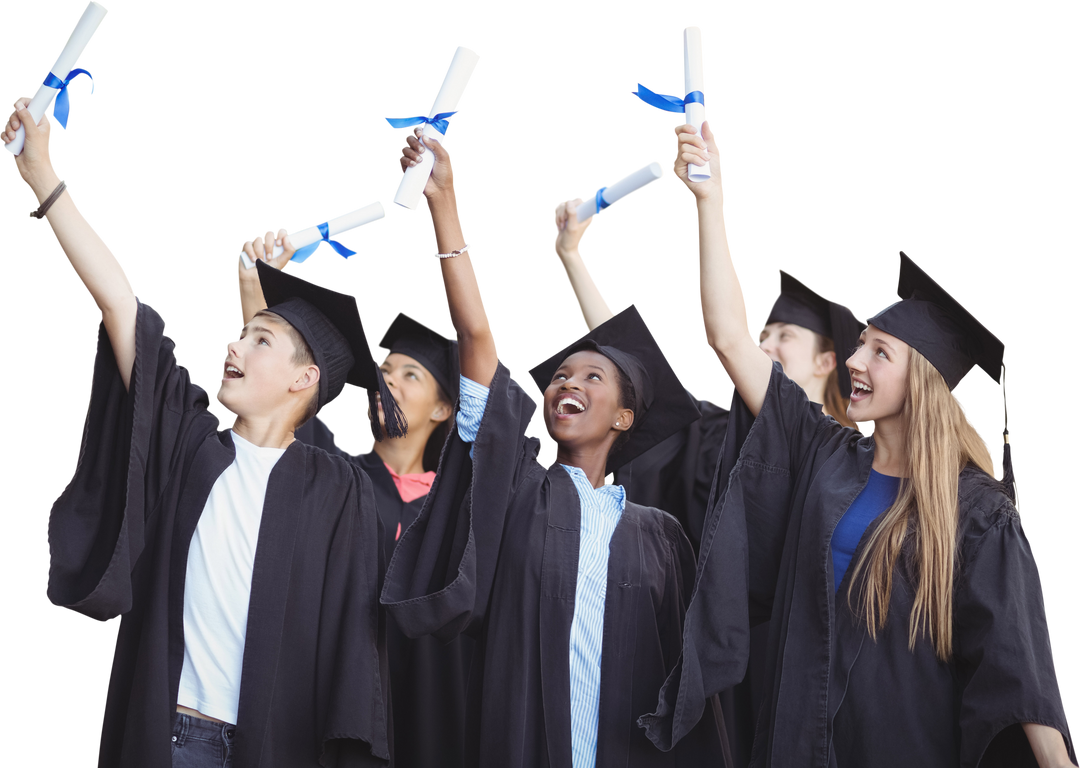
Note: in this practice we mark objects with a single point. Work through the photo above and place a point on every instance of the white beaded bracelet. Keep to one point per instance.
(452, 254)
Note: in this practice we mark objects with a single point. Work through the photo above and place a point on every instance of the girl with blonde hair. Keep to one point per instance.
(906, 617)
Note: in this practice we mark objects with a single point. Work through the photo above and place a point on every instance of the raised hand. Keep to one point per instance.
(442, 175)
(570, 229)
(33, 162)
(699, 150)
(261, 249)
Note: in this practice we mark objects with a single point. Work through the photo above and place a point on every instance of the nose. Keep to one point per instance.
(856, 361)
(768, 346)
(233, 347)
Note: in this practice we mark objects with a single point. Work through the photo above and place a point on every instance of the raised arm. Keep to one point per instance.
(251, 295)
(476, 345)
(592, 303)
(721, 295)
(92, 260)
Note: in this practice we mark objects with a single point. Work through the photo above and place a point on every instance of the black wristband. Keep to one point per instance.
(38, 214)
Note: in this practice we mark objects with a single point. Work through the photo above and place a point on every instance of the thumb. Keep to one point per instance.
(436, 147)
(34, 132)
(279, 262)
(707, 134)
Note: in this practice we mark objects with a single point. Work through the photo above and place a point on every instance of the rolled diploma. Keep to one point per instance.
(304, 237)
(461, 69)
(695, 81)
(84, 30)
(621, 189)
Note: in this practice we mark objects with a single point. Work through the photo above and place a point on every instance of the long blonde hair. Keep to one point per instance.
(940, 443)
(835, 404)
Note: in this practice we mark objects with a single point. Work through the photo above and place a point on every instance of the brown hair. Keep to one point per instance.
(302, 355)
(835, 403)
(940, 443)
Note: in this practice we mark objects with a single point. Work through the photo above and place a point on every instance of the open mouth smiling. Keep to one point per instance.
(569, 405)
(232, 372)
(859, 389)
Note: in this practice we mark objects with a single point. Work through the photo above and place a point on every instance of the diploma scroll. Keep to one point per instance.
(620, 189)
(84, 30)
(313, 235)
(461, 69)
(695, 81)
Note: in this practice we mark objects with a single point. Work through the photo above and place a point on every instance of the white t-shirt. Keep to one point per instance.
(218, 585)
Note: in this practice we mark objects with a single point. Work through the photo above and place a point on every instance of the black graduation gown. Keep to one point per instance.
(834, 696)
(495, 553)
(428, 678)
(314, 658)
(677, 474)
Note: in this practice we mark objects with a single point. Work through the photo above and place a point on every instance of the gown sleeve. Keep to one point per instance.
(440, 577)
(1002, 647)
(746, 518)
(133, 442)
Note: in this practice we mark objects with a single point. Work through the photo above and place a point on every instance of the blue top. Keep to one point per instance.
(601, 509)
(878, 495)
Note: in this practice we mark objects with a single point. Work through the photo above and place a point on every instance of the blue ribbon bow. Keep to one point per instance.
(668, 103)
(601, 203)
(307, 250)
(63, 103)
(440, 122)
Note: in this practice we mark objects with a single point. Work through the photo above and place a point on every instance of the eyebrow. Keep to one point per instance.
(254, 328)
(878, 340)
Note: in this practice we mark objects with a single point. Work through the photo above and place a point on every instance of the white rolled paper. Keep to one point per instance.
(305, 237)
(621, 189)
(84, 30)
(461, 69)
(695, 81)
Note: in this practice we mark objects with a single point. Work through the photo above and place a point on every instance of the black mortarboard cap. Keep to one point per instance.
(947, 335)
(663, 405)
(798, 305)
(438, 354)
(941, 330)
(330, 324)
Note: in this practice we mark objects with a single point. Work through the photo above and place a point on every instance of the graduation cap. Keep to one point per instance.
(438, 354)
(330, 324)
(946, 334)
(798, 305)
(662, 407)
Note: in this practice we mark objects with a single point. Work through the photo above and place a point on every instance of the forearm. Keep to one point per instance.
(95, 264)
(591, 301)
(722, 302)
(476, 345)
(1048, 745)
(251, 295)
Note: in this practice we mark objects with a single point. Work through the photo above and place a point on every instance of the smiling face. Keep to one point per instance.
(265, 374)
(582, 404)
(796, 349)
(417, 393)
(879, 376)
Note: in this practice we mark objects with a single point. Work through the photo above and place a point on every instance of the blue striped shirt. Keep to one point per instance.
(601, 509)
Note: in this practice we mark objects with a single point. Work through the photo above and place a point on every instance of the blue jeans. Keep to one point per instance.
(198, 743)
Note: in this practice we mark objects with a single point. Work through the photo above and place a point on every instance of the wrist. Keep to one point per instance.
(43, 183)
(442, 199)
(710, 200)
(568, 254)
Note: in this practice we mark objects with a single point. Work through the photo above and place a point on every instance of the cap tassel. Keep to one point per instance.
(394, 421)
(1008, 479)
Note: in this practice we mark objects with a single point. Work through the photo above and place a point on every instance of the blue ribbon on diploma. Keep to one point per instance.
(307, 250)
(601, 203)
(63, 103)
(440, 122)
(668, 103)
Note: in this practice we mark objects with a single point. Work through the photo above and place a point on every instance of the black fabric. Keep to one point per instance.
(428, 679)
(328, 346)
(495, 553)
(833, 696)
(677, 475)
(436, 353)
(314, 661)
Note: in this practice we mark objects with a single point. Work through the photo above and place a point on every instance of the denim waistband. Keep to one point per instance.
(187, 727)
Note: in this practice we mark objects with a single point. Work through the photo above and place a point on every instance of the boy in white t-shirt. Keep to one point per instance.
(246, 565)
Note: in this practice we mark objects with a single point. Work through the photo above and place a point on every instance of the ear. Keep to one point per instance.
(309, 377)
(624, 419)
(442, 411)
(824, 363)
